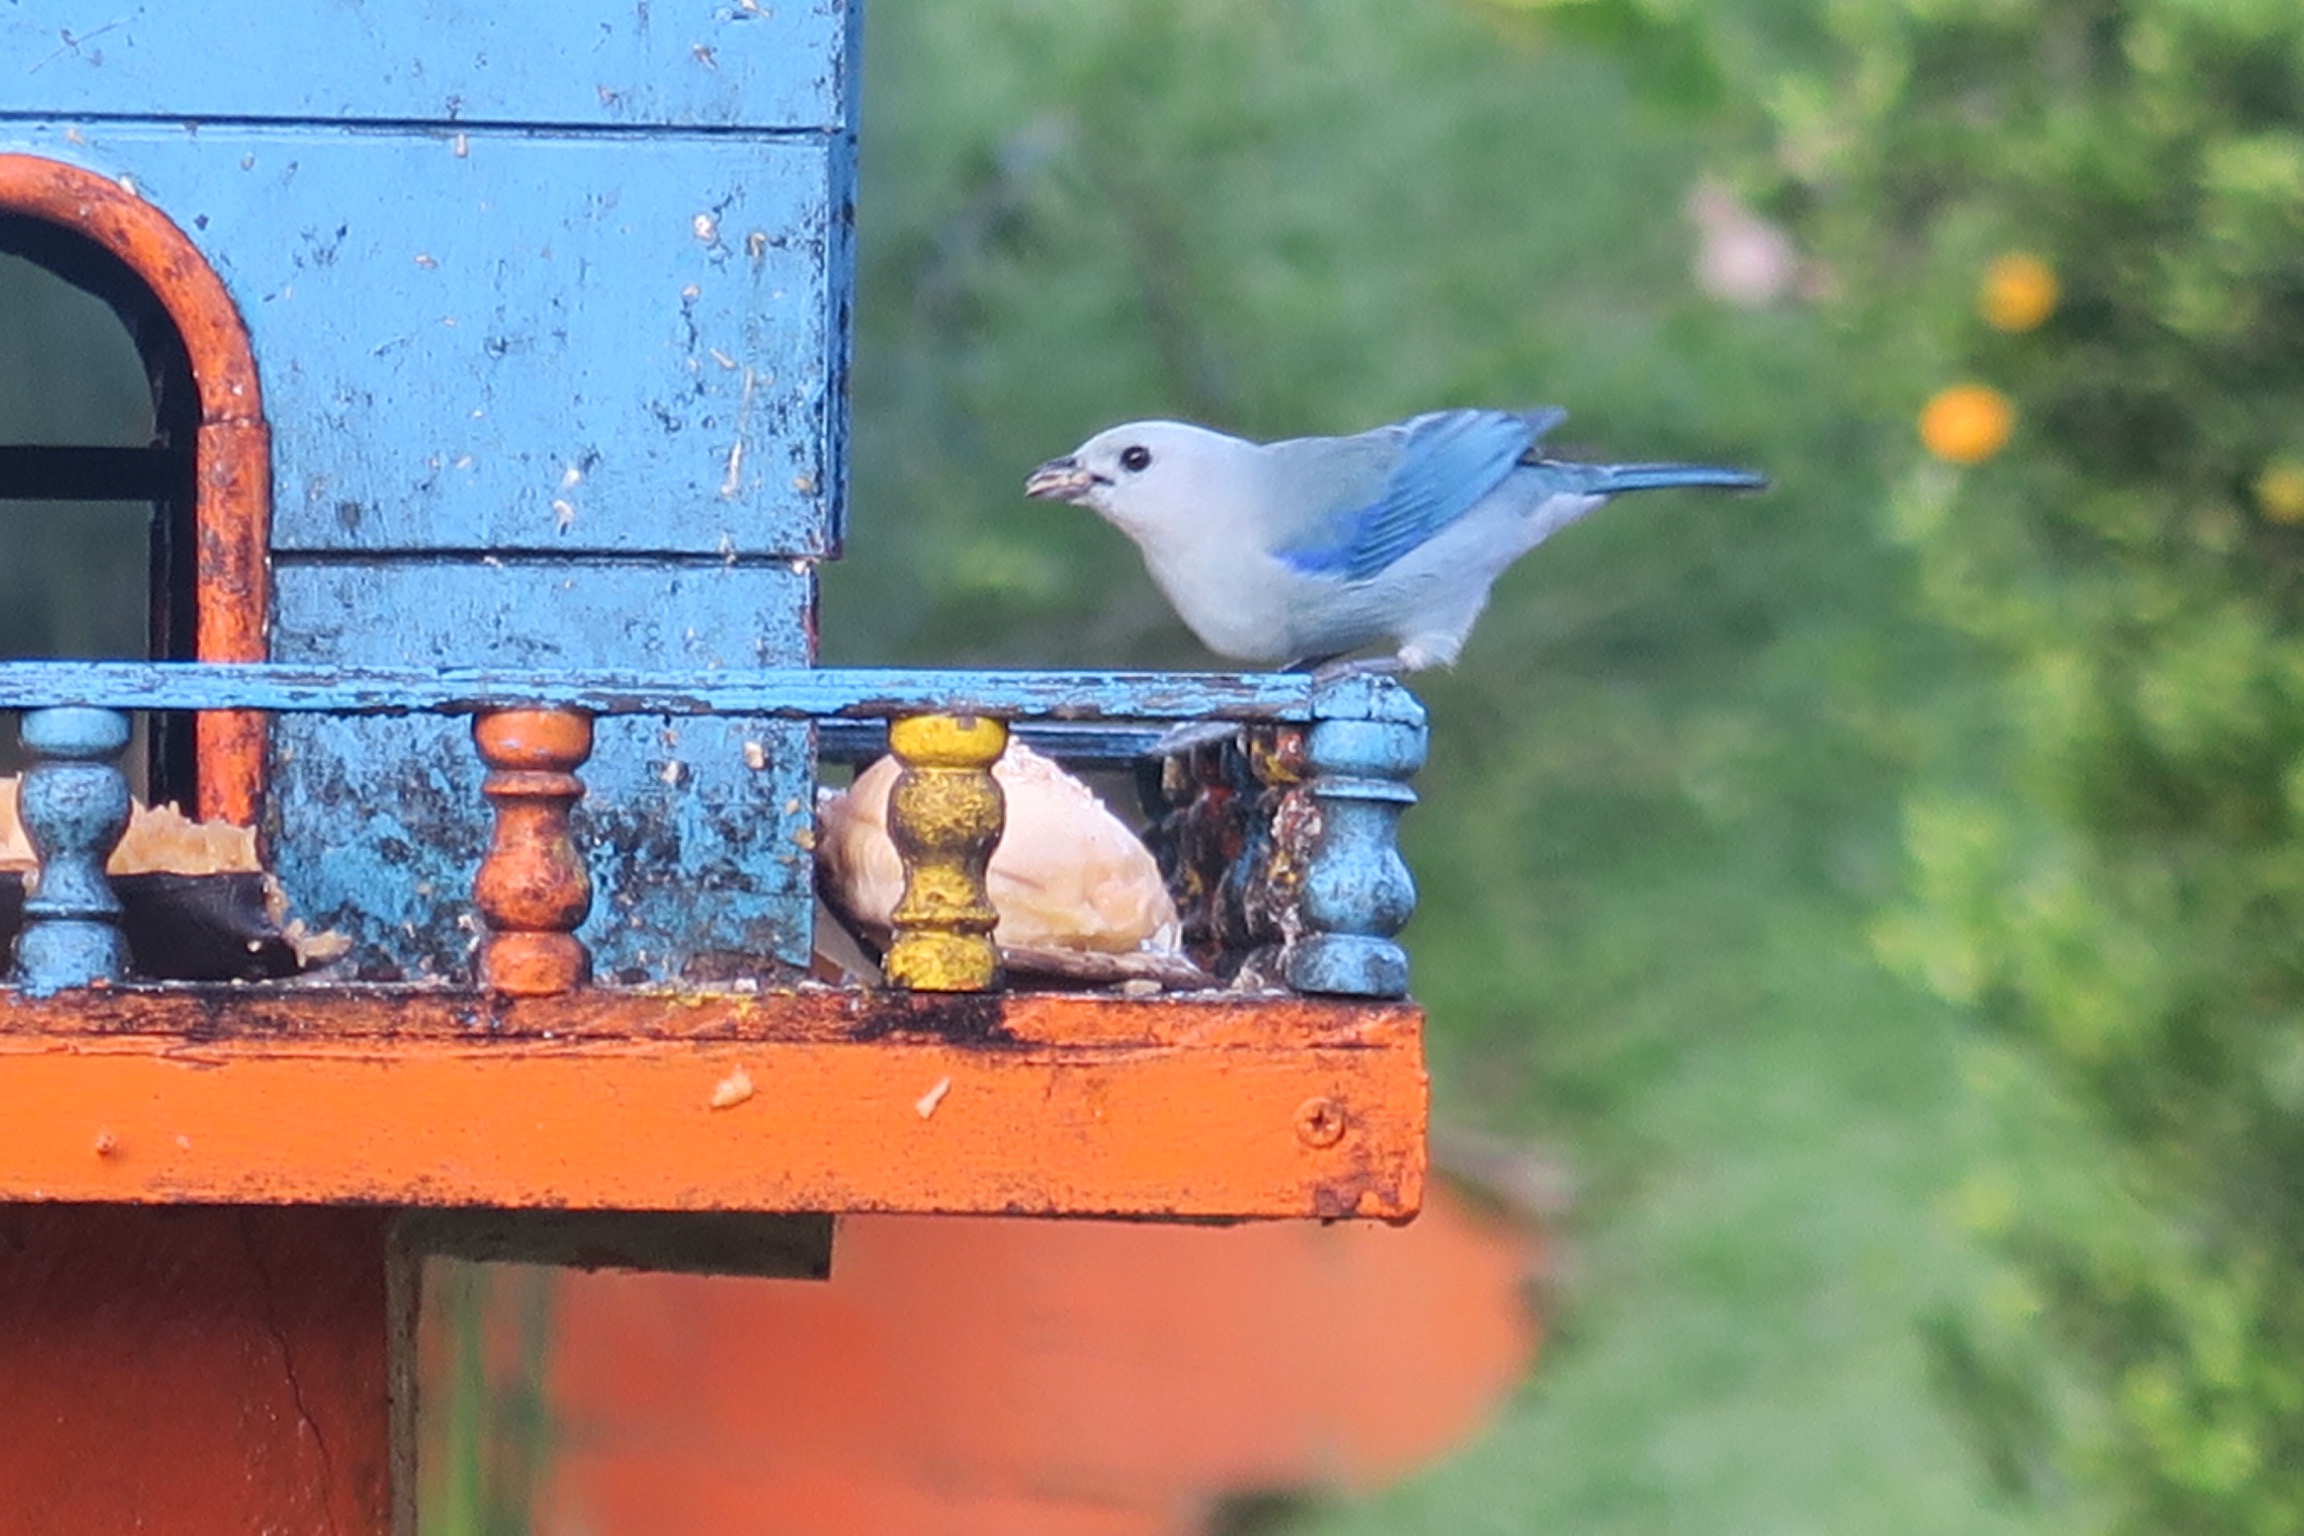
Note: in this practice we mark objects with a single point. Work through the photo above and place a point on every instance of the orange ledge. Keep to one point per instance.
(818, 1100)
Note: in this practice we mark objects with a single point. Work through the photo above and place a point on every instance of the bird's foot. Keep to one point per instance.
(1338, 667)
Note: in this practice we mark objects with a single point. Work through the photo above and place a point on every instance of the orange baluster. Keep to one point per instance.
(533, 889)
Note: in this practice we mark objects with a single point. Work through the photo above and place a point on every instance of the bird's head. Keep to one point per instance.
(1140, 476)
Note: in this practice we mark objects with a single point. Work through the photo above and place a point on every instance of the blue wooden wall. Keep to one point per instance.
(550, 310)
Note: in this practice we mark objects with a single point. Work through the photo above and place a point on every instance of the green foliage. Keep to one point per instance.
(2127, 900)
(1663, 780)
(1279, 219)
(486, 1431)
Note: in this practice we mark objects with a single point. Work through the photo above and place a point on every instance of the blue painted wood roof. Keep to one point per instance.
(671, 63)
(547, 278)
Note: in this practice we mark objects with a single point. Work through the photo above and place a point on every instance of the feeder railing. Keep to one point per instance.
(1277, 837)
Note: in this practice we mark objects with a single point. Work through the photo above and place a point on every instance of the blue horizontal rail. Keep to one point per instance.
(802, 693)
(1081, 744)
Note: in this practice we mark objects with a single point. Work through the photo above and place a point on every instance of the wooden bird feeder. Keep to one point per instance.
(498, 359)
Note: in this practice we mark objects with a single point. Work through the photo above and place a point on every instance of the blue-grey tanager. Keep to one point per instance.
(1307, 550)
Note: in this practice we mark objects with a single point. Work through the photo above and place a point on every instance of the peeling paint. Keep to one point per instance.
(653, 848)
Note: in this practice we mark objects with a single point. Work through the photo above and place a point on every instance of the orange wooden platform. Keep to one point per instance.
(817, 1100)
(213, 1172)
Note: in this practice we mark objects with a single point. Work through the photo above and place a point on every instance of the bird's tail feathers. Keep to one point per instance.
(1615, 479)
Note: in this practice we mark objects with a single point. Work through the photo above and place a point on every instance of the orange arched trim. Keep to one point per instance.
(233, 505)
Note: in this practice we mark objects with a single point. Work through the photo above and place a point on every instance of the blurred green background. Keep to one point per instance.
(1879, 898)
(1663, 799)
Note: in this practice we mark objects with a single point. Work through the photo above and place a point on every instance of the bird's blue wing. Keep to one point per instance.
(1442, 464)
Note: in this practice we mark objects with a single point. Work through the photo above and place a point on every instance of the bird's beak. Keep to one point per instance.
(1064, 479)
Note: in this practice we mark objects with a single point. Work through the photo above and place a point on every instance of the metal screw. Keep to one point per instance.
(1320, 1122)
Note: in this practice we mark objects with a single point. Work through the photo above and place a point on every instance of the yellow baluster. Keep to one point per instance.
(945, 816)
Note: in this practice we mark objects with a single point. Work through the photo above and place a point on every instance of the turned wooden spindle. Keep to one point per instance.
(1356, 892)
(945, 816)
(73, 802)
(533, 889)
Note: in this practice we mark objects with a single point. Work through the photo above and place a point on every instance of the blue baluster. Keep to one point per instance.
(1357, 892)
(74, 806)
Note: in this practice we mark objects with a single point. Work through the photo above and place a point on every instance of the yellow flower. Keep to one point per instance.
(2019, 291)
(2280, 490)
(1967, 423)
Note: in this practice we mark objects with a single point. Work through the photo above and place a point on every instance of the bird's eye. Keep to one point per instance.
(1136, 458)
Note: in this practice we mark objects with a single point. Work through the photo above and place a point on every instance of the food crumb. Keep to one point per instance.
(733, 1089)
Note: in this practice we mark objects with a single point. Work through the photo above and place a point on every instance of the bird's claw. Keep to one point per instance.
(1337, 667)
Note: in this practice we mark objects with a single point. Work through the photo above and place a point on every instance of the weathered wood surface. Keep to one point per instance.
(816, 1100)
(478, 341)
(200, 1372)
(791, 693)
(680, 63)
(424, 613)
(376, 826)
(723, 806)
